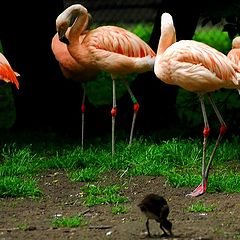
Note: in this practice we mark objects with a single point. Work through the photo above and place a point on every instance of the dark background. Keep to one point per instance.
(47, 101)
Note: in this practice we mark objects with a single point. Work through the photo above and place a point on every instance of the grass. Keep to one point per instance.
(70, 222)
(119, 209)
(200, 207)
(179, 160)
(103, 195)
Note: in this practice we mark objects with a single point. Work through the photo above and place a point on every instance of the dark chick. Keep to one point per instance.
(156, 207)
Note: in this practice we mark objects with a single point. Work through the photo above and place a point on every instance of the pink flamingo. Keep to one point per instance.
(234, 53)
(198, 68)
(6, 72)
(71, 69)
(107, 48)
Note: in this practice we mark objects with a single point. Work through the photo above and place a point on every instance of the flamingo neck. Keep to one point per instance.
(79, 25)
(168, 34)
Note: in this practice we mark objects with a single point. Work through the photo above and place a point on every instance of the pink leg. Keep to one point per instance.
(135, 110)
(202, 187)
(199, 190)
(222, 131)
(113, 113)
(83, 112)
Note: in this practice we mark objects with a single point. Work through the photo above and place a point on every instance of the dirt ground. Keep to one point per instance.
(63, 198)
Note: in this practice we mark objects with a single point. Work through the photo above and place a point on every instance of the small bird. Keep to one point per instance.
(6, 72)
(198, 68)
(156, 207)
(110, 49)
(71, 69)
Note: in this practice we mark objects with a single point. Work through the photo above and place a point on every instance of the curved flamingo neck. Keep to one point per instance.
(80, 24)
(80, 16)
(168, 34)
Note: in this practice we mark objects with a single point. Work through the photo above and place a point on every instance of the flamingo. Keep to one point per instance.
(6, 72)
(107, 48)
(198, 68)
(71, 69)
(234, 53)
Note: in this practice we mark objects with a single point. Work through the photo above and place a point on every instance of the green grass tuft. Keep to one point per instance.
(200, 207)
(103, 195)
(70, 222)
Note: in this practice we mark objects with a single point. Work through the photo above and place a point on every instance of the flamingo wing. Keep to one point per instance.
(117, 50)
(118, 40)
(6, 72)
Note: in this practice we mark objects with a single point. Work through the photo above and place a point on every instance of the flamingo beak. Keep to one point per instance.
(64, 40)
(62, 37)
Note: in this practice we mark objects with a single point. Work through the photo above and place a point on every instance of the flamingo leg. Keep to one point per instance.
(83, 111)
(223, 128)
(222, 131)
(113, 113)
(135, 109)
(201, 188)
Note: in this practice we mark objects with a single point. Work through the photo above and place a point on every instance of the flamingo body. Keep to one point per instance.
(70, 68)
(117, 51)
(196, 67)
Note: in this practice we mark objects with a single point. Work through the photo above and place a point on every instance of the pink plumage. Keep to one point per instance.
(6, 72)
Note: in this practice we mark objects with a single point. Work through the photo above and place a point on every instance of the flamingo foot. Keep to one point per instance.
(200, 189)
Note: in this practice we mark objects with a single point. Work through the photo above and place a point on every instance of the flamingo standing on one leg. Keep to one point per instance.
(6, 72)
(197, 68)
(107, 48)
(71, 69)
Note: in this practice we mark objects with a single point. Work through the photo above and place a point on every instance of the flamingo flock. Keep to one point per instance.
(194, 66)
(191, 65)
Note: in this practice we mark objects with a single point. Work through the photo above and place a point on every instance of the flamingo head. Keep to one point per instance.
(61, 30)
(236, 42)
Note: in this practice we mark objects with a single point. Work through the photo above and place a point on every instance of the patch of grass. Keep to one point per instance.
(119, 209)
(11, 186)
(237, 236)
(103, 195)
(23, 226)
(70, 222)
(18, 161)
(88, 174)
(179, 160)
(224, 182)
(200, 207)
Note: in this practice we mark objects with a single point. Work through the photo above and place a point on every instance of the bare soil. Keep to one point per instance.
(64, 198)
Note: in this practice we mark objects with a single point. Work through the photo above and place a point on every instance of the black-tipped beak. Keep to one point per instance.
(64, 40)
